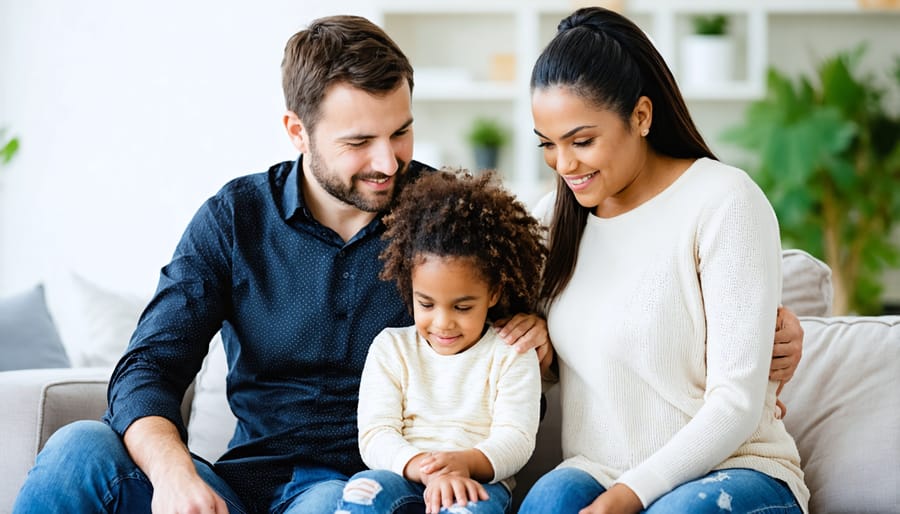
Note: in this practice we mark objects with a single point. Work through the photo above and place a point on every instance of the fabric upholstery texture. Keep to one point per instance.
(211, 421)
(94, 322)
(28, 337)
(806, 284)
(844, 413)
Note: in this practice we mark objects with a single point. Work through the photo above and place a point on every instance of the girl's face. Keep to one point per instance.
(597, 153)
(451, 299)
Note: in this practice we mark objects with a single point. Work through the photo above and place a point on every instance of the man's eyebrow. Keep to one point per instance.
(357, 137)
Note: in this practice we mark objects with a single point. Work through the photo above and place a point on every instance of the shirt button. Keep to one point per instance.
(346, 275)
(342, 253)
(341, 316)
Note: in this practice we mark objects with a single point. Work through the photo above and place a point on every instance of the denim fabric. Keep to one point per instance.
(397, 495)
(297, 307)
(84, 467)
(568, 490)
(312, 490)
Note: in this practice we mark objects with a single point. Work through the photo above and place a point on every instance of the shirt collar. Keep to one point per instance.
(292, 202)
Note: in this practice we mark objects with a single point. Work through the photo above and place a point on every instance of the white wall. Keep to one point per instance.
(130, 115)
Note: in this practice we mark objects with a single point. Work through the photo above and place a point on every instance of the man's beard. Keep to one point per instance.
(348, 193)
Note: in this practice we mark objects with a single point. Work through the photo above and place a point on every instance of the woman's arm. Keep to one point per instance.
(739, 266)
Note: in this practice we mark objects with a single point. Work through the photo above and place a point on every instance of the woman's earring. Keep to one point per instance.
(645, 132)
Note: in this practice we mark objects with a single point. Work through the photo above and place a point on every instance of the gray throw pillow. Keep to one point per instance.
(28, 338)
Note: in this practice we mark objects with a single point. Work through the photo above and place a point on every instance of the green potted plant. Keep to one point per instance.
(707, 53)
(8, 147)
(829, 160)
(487, 136)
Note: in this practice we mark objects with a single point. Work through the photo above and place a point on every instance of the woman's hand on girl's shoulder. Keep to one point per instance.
(525, 332)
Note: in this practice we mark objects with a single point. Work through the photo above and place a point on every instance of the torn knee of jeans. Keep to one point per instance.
(457, 508)
(361, 491)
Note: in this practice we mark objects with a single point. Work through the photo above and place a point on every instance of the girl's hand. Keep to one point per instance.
(440, 463)
(448, 489)
(618, 499)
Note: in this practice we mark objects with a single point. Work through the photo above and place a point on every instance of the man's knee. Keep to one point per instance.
(82, 437)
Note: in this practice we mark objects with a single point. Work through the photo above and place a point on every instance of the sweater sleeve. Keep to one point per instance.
(380, 411)
(516, 411)
(739, 267)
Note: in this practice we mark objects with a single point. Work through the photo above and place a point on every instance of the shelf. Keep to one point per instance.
(463, 91)
(733, 90)
(454, 46)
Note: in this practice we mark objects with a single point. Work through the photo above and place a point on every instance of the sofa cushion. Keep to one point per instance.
(94, 322)
(844, 412)
(211, 423)
(807, 288)
(28, 337)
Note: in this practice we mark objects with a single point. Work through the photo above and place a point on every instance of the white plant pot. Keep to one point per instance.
(707, 60)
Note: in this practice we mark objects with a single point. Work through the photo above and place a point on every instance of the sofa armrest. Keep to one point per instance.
(34, 403)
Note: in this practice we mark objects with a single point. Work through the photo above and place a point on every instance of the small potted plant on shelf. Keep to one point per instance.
(707, 53)
(487, 136)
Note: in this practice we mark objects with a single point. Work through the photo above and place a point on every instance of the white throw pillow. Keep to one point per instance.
(807, 288)
(94, 323)
(844, 412)
(211, 424)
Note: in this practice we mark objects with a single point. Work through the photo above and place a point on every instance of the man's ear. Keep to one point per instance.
(297, 133)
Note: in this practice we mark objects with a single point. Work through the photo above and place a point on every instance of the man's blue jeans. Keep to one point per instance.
(568, 490)
(386, 492)
(84, 467)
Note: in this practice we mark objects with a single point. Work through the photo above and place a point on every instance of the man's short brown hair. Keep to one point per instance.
(339, 49)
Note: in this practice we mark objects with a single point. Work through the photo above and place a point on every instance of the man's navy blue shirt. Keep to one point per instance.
(297, 307)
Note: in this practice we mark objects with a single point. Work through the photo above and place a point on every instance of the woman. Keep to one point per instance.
(662, 282)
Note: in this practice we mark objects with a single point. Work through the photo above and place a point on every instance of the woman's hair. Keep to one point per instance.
(339, 49)
(608, 61)
(452, 213)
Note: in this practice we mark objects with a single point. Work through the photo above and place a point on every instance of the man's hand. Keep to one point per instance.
(186, 493)
(527, 331)
(788, 346)
(618, 499)
(786, 353)
(448, 489)
(156, 447)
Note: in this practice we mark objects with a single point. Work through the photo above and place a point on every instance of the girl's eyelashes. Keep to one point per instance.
(545, 144)
(463, 308)
(425, 305)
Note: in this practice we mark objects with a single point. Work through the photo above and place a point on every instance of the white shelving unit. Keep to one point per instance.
(456, 39)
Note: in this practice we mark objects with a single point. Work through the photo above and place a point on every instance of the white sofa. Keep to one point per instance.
(843, 405)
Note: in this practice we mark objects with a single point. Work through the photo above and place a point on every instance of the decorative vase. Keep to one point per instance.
(486, 157)
(707, 60)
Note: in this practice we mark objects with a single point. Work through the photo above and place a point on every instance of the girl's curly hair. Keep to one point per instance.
(451, 213)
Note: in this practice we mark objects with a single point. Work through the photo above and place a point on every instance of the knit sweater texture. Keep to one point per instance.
(664, 339)
(414, 400)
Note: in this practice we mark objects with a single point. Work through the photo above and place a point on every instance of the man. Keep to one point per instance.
(285, 264)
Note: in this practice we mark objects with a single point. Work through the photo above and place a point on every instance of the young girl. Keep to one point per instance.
(664, 279)
(447, 411)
